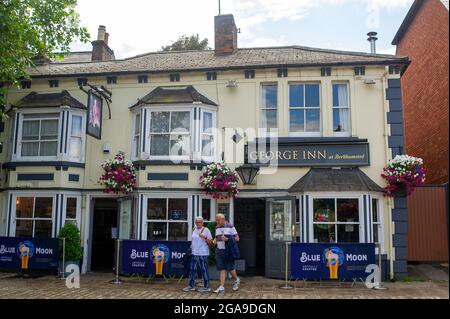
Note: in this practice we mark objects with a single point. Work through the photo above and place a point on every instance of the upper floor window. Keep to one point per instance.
(82, 81)
(304, 109)
(143, 79)
(175, 77)
(25, 84)
(170, 133)
(208, 134)
(211, 76)
(341, 109)
(40, 135)
(282, 73)
(360, 70)
(137, 135)
(50, 136)
(76, 137)
(325, 71)
(111, 79)
(53, 83)
(269, 106)
(249, 74)
(394, 69)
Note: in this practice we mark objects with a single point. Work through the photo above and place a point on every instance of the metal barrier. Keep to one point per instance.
(117, 280)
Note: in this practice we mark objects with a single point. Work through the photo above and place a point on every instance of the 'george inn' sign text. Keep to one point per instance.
(309, 154)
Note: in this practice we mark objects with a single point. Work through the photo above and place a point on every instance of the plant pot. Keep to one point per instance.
(213, 272)
(400, 191)
(67, 263)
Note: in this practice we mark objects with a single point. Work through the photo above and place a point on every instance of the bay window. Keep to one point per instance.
(72, 211)
(341, 109)
(40, 135)
(336, 220)
(167, 219)
(170, 133)
(49, 136)
(174, 133)
(34, 217)
(304, 109)
(377, 233)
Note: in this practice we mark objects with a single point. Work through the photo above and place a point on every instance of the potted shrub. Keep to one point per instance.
(403, 174)
(212, 270)
(73, 249)
(220, 181)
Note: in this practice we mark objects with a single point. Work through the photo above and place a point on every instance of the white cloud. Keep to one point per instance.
(139, 26)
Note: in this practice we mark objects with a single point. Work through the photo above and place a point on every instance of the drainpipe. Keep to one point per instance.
(388, 158)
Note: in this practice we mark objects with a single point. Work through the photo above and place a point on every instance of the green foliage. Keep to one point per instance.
(73, 249)
(187, 43)
(212, 248)
(34, 28)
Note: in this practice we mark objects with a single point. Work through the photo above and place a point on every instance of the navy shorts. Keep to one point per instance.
(221, 263)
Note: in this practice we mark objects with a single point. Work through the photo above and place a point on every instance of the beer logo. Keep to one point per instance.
(160, 255)
(25, 252)
(333, 257)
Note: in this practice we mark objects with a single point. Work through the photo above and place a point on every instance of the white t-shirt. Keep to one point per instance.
(199, 245)
(227, 230)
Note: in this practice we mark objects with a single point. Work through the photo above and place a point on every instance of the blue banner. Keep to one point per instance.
(166, 258)
(29, 253)
(331, 260)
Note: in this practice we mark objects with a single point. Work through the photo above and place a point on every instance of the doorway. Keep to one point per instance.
(250, 222)
(104, 232)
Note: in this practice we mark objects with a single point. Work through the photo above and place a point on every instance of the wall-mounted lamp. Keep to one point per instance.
(247, 173)
(232, 84)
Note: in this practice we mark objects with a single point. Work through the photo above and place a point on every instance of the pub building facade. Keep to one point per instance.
(339, 121)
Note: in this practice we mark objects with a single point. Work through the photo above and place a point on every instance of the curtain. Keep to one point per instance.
(343, 101)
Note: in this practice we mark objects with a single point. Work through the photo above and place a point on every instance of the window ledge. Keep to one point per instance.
(57, 164)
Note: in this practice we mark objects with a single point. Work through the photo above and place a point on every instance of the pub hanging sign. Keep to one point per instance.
(310, 155)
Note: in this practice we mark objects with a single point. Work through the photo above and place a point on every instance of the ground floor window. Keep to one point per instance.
(167, 219)
(34, 217)
(336, 220)
(377, 232)
(72, 211)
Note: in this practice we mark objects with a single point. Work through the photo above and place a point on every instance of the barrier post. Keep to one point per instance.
(116, 280)
(379, 286)
(63, 276)
(286, 286)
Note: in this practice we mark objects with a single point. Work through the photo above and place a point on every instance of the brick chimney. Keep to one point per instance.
(225, 34)
(100, 49)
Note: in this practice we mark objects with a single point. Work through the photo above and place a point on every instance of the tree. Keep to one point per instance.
(34, 28)
(187, 43)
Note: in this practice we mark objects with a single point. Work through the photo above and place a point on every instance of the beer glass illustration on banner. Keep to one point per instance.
(333, 258)
(160, 254)
(26, 250)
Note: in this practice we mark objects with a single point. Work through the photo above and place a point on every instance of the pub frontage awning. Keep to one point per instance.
(335, 180)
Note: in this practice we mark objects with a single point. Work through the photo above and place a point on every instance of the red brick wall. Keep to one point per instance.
(425, 89)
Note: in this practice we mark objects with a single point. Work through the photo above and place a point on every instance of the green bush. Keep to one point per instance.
(73, 249)
(212, 248)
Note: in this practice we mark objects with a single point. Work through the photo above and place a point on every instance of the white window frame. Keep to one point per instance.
(167, 221)
(82, 136)
(348, 107)
(380, 222)
(77, 219)
(336, 196)
(191, 131)
(213, 207)
(20, 141)
(304, 108)
(13, 223)
(213, 134)
(266, 131)
(137, 137)
(60, 156)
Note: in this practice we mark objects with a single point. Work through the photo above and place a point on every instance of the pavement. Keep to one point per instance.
(98, 286)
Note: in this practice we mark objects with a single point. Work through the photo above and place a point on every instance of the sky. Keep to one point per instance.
(140, 26)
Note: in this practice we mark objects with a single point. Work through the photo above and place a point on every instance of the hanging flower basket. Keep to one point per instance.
(219, 181)
(119, 175)
(403, 174)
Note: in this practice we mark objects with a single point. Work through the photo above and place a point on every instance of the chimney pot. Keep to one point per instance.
(100, 49)
(372, 38)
